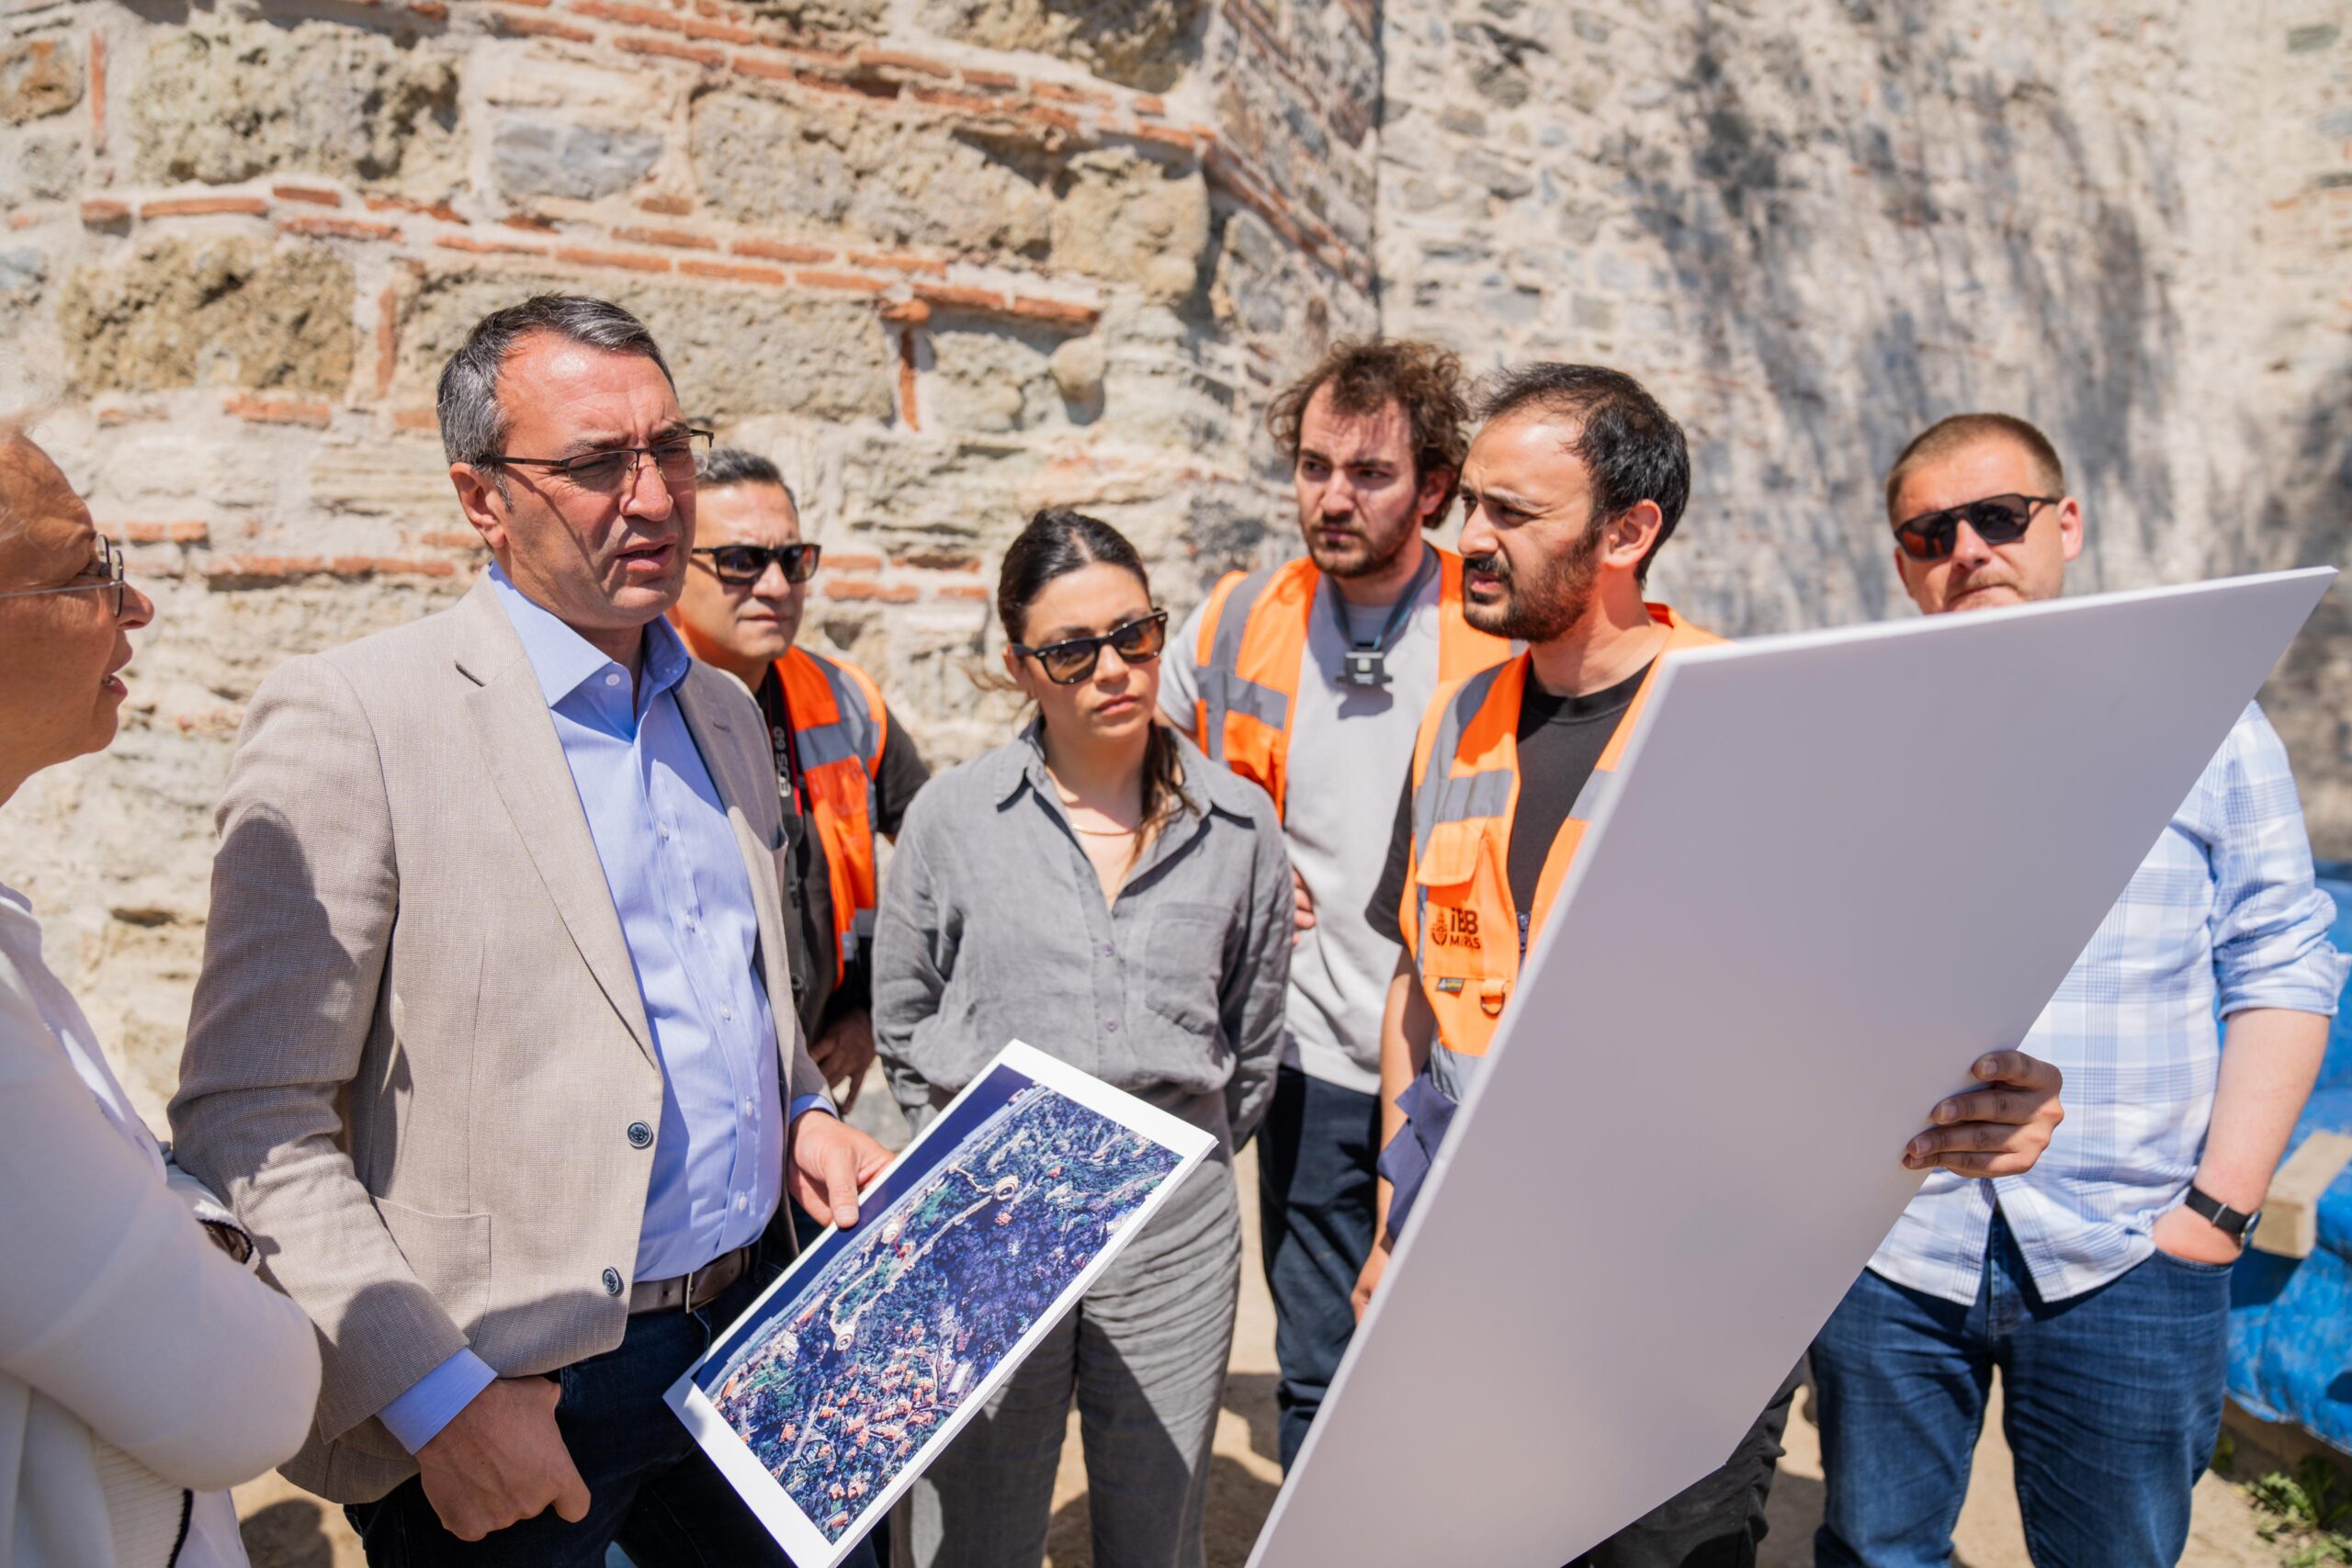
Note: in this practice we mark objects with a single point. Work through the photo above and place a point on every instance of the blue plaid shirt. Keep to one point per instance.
(2222, 915)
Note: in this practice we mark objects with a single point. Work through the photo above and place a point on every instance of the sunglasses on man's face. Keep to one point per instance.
(1997, 520)
(1067, 663)
(742, 565)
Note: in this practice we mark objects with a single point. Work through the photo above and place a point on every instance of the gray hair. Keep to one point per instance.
(473, 423)
(733, 466)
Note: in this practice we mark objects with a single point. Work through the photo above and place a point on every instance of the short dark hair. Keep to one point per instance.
(1366, 376)
(473, 422)
(733, 466)
(1628, 442)
(1950, 434)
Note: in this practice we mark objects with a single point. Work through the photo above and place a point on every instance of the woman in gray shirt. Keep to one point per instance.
(1100, 890)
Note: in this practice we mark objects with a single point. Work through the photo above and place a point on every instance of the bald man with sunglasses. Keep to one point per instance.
(844, 771)
(2099, 1281)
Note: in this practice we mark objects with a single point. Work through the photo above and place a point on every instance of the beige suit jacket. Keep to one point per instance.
(417, 1044)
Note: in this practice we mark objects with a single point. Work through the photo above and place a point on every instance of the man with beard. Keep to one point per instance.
(1577, 480)
(1309, 679)
(2191, 1029)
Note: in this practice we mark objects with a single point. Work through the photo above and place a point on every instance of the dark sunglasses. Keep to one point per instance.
(745, 564)
(1068, 663)
(1998, 520)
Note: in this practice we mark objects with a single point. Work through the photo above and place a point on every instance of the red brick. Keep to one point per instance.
(973, 590)
(339, 228)
(937, 557)
(907, 312)
(1167, 134)
(159, 533)
(1064, 95)
(97, 90)
(315, 196)
(636, 15)
(888, 593)
(909, 382)
(541, 4)
(732, 272)
(1062, 312)
(778, 249)
(667, 203)
(267, 411)
(541, 26)
(203, 205)
(232, 570)
(581, 257)
(700, 53)
(488, 247)
(850, 280)
(957, 296)
(757, 65)
(455, 539)
(388, 328)
(441, 209)
(853, 563)
(939, 98)
(531, 220)
(683, 237)
(431, 10)
(416, 419)
(898, 60)
(991, 81)
(923, 264)
(1151, 103)
(24, 219)
(1061, 119)
(725, 32)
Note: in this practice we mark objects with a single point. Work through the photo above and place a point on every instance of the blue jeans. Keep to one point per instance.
(2111, 1400)
(1317, 1196)
(649, 1487)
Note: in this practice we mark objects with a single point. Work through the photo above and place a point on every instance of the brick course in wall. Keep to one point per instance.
(950, 263)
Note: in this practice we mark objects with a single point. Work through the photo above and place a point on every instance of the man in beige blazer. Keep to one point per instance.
(483, 1050)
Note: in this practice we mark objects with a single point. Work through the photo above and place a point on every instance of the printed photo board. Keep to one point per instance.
(1837, 867)
(850, 1373)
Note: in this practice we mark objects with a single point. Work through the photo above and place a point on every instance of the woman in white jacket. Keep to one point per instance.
(142, 1370)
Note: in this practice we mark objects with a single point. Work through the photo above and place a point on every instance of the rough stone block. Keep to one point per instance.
(1127, 217)
(180, 313)
(760, 161)
(1141, 43)
(990, 377)
(538, 157)
(225, 99)
(39, 165)
(23, 270)
(39, 77)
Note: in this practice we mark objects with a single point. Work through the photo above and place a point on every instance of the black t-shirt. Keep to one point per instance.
(1560, 742)
(810, 933)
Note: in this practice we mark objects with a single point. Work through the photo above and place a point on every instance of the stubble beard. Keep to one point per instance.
(1363, 558)
(1536, 610)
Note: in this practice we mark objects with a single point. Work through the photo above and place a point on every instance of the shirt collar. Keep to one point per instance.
(564, 661)
(1021, 765)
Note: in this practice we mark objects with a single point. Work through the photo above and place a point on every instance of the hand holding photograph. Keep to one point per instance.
(851, 1372)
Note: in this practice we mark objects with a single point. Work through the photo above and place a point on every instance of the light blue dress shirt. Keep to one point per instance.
(684, 902)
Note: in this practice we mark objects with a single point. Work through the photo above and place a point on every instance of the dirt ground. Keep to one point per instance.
(286, 1527)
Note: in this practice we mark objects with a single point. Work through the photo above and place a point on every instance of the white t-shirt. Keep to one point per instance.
(1350, 748)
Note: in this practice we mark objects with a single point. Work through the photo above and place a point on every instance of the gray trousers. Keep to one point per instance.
(1144, 1352)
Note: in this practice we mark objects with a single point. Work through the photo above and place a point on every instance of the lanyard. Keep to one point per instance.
(1366, 664)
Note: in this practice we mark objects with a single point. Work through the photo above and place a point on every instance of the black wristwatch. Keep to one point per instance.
(2236, 1224)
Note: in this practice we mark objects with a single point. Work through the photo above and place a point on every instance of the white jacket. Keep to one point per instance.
(139, 1367)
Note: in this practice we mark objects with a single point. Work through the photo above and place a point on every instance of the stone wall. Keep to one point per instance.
(951, 260)
(947, 261)
(1815, 226)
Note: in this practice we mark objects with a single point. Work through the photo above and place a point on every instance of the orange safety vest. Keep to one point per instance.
(839, 729)
(1457, 917)
(1253, 641)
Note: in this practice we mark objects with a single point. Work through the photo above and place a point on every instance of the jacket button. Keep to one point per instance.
(640, 1135)
(612, 1281)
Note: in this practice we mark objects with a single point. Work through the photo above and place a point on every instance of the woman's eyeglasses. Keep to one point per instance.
(1996, 519)
(742, 565)
(103, 575)
(1069, 662)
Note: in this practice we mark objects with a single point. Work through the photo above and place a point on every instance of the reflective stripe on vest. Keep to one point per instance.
(1457, 915)
(839, 729)
(1252, 642)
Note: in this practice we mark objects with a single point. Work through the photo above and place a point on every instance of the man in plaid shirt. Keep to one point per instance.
(2099, 1281)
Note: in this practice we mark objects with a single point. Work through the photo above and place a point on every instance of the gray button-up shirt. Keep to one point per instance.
(993, 928)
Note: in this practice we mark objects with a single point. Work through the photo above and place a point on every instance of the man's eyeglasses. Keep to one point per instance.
(1067, 663)
(742, 565)
(1996, 519)
(680, 459)
(101, 575)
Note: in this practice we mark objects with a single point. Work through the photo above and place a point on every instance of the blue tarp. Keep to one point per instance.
(2291, 1322)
